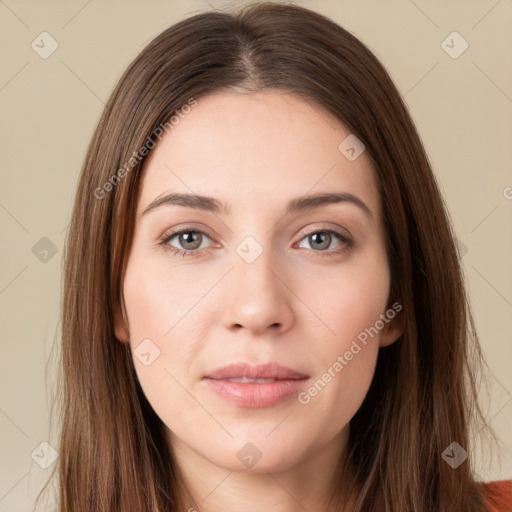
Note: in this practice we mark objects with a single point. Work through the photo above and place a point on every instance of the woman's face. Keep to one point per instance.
(262, 275)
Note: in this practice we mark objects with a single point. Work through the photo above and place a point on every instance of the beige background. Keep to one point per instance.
(49, 107)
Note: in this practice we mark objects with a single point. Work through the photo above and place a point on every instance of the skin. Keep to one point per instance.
(299, 303)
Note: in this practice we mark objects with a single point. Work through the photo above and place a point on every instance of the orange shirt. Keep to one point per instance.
(498, 495)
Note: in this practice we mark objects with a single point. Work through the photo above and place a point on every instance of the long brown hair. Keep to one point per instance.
(113, 456)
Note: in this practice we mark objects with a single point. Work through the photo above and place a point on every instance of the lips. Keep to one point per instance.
(263, 385)
(243, 372)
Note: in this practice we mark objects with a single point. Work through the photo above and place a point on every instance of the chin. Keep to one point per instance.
(258, 456)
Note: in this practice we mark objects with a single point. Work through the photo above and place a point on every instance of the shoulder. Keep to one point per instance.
(498, 495)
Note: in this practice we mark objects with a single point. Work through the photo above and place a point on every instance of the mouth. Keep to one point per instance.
(257, 386)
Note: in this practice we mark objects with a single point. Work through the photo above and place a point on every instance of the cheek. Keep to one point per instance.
(345, 361)
(350, 305)
(347, 300)
(159, 302)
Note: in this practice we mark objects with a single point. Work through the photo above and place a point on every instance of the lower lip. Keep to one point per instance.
(256, 395)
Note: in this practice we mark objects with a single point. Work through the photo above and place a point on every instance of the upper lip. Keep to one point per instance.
(260, 371)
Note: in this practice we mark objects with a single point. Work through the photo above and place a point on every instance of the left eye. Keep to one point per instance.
(321, 240)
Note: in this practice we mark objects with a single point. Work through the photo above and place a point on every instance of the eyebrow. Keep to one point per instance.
(299, 204)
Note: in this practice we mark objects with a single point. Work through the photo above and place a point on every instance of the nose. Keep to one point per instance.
(258, 296)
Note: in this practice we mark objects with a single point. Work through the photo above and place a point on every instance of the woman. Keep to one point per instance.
(213, 357)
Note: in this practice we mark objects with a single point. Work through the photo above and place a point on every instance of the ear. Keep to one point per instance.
(120, 325)
(392, 330)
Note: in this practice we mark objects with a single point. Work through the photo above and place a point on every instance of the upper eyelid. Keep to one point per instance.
(325, 227)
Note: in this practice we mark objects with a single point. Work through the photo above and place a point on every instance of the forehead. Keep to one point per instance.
(264, 147)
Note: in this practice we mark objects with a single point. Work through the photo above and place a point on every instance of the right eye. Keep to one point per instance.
(188, 238)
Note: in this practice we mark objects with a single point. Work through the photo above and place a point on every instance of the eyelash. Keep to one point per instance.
(348, 243)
